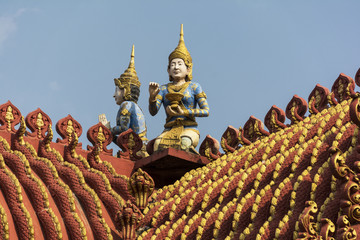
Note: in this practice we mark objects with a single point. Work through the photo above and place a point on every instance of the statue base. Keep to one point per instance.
(169, 165)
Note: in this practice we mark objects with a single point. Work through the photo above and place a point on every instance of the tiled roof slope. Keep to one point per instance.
(299, 182)
(59, 191)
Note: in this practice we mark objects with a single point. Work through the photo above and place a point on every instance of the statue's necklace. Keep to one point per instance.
(173, 88)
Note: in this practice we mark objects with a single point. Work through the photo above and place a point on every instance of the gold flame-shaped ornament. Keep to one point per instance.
(181, 52)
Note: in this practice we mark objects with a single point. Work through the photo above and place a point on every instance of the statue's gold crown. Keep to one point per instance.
(181, 52)
(129, 76)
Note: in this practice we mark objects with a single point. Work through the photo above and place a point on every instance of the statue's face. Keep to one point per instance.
(177, 69)
(119, 95)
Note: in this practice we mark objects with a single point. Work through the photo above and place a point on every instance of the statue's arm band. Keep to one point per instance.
(202, 112)
(200, 95)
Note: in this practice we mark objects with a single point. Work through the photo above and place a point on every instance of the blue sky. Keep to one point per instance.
(62, 56)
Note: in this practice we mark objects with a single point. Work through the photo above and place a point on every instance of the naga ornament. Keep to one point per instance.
(65, 127)
(128, 219)
(296, 109)
(9, 117)
(230, 139)
(274, 119)
(38, 122)
(209, 148)
(141, 186)
(318, 99)
(254, 129)
(131, 144)
(100, 136)
(342, 89)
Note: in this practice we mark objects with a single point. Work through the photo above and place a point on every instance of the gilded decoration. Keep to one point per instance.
(230, 139)
(38, 122)
(131, 144)
(128, 219)
(66, 127)
(349, 218)
(318, 99)
(308, 228)
(342, 89)
(100, 136)
(210, 148)
(274, 119)
(9, 117)
(141, 186)
(296, 109)
(254, 129)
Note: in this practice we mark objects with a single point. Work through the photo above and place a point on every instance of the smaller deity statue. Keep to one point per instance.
(180, 98)
(130, 115)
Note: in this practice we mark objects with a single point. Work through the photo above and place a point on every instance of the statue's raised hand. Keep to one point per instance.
(153, 90)
(104, 121)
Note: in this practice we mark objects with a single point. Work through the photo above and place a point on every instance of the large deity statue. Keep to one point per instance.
(130, 115)
(180, 98)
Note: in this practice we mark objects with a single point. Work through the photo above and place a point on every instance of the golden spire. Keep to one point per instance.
(132, 60)
(181, 52)
(129, 76)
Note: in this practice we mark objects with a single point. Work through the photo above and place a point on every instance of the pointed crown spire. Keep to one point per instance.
(129, 76)
(181, 52)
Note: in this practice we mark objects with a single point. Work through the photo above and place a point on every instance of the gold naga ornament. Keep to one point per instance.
(128, 77)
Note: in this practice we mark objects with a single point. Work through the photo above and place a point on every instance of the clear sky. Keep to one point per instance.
(248, 55)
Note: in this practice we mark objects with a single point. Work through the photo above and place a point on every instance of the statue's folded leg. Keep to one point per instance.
(187, 139)
(192, 135)
(158, 140)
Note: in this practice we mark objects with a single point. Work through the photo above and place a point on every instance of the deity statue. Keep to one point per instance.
(130, 115)
(180, 97)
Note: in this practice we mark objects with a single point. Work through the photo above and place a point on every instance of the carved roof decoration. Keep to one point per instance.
(230, 139)
(301, 181)
(60, 191)
(254, 129)
(318, 100)
(293, 181)
(65, 127)
(9, 117)
(296, 109)
(100, 136)
(342, 89)
(38, 122)
(274, 119)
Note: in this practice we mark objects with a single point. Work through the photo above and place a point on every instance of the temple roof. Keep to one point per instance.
(57, 190)
(291, 181)
(297, 182)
